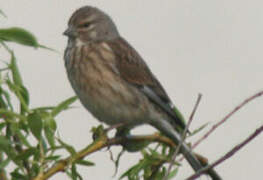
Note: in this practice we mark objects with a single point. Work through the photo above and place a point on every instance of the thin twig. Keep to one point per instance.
(183, 136)
(102, 143)
(193, 112)
(246, 101)
(228, 154)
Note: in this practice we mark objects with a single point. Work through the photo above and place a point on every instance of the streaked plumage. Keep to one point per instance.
(112, 80)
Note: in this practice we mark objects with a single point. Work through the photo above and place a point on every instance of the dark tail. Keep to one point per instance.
(168, 130)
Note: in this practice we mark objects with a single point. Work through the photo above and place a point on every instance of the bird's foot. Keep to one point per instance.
(98, 132)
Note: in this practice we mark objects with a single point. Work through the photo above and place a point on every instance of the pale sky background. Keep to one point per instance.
(192, 46)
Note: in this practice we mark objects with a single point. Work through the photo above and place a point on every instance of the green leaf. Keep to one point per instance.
(34, 170)
(25, 94)
(35, 124)
(19, 88)
(75, 174)
(15, 71)
(23, 126)
(68, 147)
(4, 163)
(50, 127)
(129, 172)
(53, 158)
(36, 155)
(18, 35)
(7, 98)
(160, 174)
(23, 139)
(48, 48)
(16, 130)
(17, 91)
(64, 105)
(179, 115)
(155, 154)
(50, 122)
(134, 170)
(85, 162)
(5, 145)
(173, 173)
(43, 145)
(4, 142)
(198, 130)
(44, 108)
(2, 101)
(164, 149)
(26, 154)
(11, 114)
(49, 134)
(18, 176)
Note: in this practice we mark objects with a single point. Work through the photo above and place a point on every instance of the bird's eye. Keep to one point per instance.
(86, 25)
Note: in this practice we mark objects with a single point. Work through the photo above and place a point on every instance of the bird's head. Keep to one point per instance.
(89, 24)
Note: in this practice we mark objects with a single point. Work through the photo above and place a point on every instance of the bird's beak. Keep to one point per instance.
(70, 32)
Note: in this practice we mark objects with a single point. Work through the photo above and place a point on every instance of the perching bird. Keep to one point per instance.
(113, 82)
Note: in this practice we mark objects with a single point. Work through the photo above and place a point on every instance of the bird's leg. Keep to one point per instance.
(130, 145)
(115, 126)
(99, 131)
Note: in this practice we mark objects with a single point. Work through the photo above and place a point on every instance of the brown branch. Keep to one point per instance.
(104, 142)
(194, 110)
(228, 154)
(246, 101)
(100, 144)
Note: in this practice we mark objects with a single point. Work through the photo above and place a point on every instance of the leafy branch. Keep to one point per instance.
(40, 159)
(104, 142)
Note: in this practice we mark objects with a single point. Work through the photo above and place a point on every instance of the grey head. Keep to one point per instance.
(89, 24)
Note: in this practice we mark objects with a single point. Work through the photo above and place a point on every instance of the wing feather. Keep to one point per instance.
(134, 70)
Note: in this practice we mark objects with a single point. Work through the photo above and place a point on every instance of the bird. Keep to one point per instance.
(114, 83)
